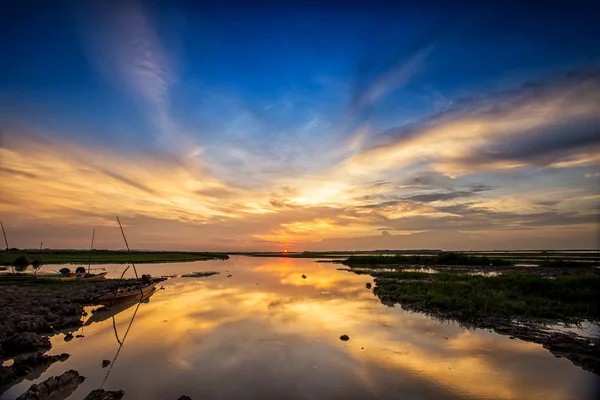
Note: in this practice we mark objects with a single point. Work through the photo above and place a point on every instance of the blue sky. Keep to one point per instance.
(237, 126)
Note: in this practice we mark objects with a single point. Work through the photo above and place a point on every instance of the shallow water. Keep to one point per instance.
(229, 338)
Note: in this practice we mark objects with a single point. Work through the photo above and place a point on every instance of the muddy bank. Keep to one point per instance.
(54, 387)
(522, 306)
(32, 366)
(31, 312)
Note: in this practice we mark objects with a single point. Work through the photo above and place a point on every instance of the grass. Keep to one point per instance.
(444, 258)
(467, 298)
(49, 256)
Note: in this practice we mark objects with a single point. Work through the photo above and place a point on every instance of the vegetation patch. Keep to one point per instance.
(444, 258)
(53, 256)
(469, 298)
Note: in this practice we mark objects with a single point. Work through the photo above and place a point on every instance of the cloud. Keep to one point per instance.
(122, 41)
(538, 125)
(294, 172)
(431, 197)
(384, 69)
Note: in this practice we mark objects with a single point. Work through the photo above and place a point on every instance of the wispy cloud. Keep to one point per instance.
(123, 43)
(391, 65)
(296, 168)
(536, 125)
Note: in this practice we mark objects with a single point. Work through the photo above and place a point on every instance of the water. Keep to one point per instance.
(229, 338)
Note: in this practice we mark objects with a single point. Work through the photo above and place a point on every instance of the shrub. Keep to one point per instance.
(36, 265)
(21, 263)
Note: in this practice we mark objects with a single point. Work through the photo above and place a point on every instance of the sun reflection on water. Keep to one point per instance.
(268, 332)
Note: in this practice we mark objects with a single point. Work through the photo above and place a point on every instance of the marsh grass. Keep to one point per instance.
(445, 258)
(511, 295)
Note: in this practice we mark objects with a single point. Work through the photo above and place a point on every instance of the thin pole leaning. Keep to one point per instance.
(121, 342)
(91, 248)
(41, 257)
(130, 257)
(7, 248)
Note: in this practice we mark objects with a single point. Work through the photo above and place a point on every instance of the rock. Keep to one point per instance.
(368, 285)
(33, 323)
(229, 276)
(41, 309)
(101, 394)
(344, 338)
(79, 336)
(23, 366)
(56, 386)
(68, 337)
(185, 398)
(105, 363)
(23, 342)
(200, 274)
(303, 276)
(68, 323)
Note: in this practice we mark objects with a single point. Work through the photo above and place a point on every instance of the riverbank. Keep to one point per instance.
(58, 256)
(519, 303)
(458, 259)
(31, 312)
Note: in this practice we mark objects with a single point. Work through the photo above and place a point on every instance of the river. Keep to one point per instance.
(268, 333)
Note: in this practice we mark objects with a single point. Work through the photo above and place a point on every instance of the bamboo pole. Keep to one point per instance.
(91, 247)
(130, 257)
(41, 258)
(7, 248)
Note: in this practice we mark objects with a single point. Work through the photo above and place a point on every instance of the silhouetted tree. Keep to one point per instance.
(21, 263)
(36, 265)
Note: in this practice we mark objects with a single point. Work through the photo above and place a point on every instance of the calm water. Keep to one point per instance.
(267, 333)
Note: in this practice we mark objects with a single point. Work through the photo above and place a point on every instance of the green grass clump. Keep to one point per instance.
(511, 295)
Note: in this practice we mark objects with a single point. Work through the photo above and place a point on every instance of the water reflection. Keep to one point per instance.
(120, 341)
(268, 333)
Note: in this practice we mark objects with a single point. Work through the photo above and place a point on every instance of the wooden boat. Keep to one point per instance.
(92, 277)
(64, 274)
(128, 293)
(106, 312)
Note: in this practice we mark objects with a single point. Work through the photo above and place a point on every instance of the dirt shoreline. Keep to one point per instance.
(33, 311)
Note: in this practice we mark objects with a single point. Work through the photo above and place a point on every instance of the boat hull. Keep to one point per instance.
(132, 293)
(116, 308)
(94, 277)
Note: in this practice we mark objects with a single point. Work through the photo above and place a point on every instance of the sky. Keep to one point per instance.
(307, 126)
